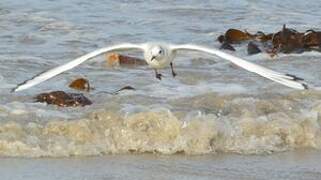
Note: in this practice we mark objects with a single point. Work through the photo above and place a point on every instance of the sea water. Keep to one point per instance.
(211, 108)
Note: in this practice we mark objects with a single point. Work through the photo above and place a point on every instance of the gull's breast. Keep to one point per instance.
(158, 64)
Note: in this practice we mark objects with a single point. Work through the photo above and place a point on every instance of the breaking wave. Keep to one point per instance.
(204, 124)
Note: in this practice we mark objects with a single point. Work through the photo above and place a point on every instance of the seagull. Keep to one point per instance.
(161, 55)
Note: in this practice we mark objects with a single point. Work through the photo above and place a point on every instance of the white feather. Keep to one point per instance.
(60, 69)
(285, 79)
(166, 58)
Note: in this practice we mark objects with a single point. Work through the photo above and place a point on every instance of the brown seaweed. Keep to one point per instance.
(114, 59)
(80, 84)
(63, 99)
(286, 40)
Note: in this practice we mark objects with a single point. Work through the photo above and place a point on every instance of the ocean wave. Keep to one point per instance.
(239, 124)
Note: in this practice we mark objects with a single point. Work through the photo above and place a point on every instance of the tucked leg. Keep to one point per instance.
(158, 75)
(173, 72)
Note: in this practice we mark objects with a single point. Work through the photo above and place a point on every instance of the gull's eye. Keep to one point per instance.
(160, 51)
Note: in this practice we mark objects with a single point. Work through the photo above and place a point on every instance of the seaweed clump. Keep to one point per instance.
(286, 40)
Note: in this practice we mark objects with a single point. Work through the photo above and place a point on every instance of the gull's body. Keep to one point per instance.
(161, 55)
(163, 61)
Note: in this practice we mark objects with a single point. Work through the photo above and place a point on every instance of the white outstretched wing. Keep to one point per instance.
(60, 69)
(285, 79)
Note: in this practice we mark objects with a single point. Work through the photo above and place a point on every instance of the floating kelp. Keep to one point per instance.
(288, 40)
(233, 36)
(124, 88)
(312, 40)
(285, 41)
(63, 99)
(80, 84)
(261, 37)
(114, 59)
(119, 90)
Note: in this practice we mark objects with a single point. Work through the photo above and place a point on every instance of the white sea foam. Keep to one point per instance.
(203, 124)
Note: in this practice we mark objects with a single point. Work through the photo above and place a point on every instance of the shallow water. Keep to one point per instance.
(210, 108)
(287, 166)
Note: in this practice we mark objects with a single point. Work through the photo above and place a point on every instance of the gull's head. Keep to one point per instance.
(157, 53)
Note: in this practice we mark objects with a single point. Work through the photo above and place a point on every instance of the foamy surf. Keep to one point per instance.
(205, 124)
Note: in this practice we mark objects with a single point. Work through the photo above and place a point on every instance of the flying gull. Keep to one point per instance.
(161, 55)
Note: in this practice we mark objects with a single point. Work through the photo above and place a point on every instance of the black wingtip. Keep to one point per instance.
(13, 90)
(295, 78)
(305, 86)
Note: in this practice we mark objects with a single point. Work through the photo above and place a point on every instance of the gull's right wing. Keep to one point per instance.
(65, 67)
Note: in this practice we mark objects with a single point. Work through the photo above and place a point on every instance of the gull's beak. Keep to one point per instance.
(153, 58)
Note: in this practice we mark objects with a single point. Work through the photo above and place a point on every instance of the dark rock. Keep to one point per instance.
(63, 99)
(252, 48)
(227, 46)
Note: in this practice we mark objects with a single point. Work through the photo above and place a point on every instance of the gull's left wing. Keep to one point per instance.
(65, 67)
(285, 79)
